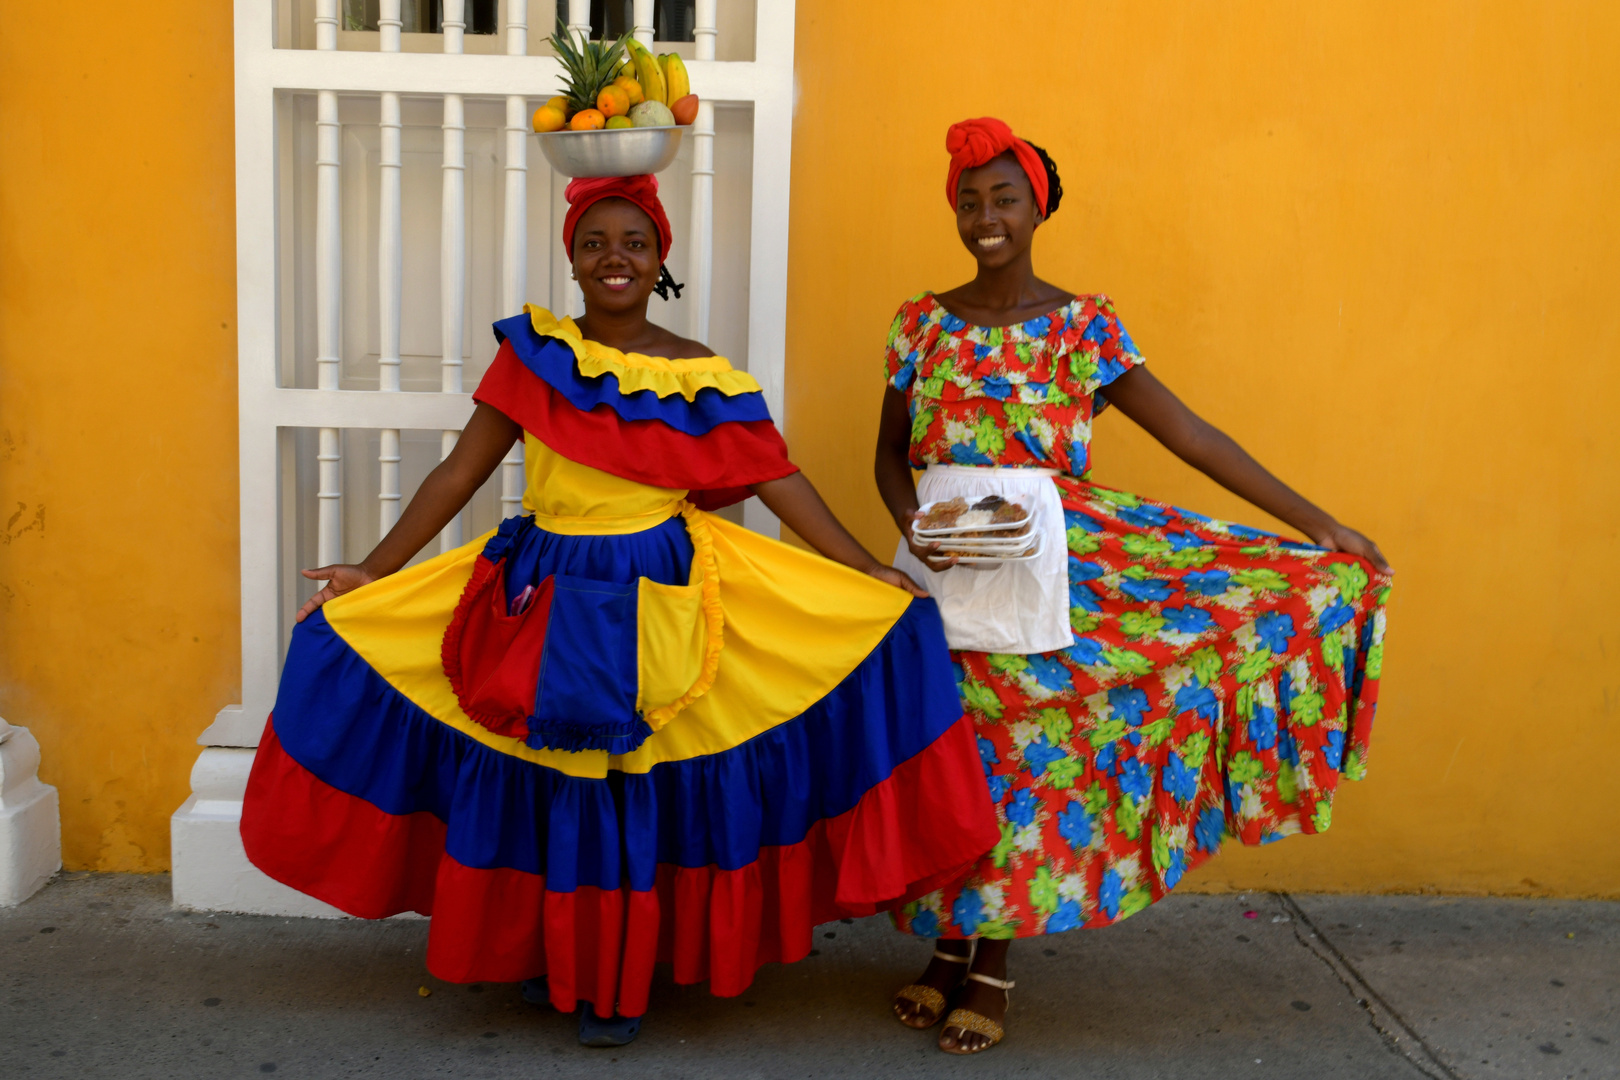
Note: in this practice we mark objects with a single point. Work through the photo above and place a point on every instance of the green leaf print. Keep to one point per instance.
(1043, 891)
(1025, 357)
(1105, 733)
(1082, 542)
(1062, 773)
(1253, 666)
(1156, 731)
(1189, 558)
(1136, 572)
(1355, 765)
(1083, 621)
(1129, 661)
(1287, 783)
(1142, 546)
(1255, 551)
(988, 438)
(1082, 365)
(1262, 577)
(980, 698)
(1323, 816)
(1333, 651)
(1118, 498)
(994, 338)
(1352, 580)
(1128, 817)
(1057, 724)
(1019, 415)
(931, 387)
(1008, 664)
(1003, 849)
(1134, 901)
(1135, 624)
(1193, 750)
(920, 424)
(1245, 768)
(1096, 799)
(1375, 661)
(1055, 396)
(1307, 708)
(1161, 850)
(1206, 665)
(998, 929)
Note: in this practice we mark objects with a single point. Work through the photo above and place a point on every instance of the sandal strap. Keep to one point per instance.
(1000, 984)
(968, 1020)
(926, 996)
(941, 954)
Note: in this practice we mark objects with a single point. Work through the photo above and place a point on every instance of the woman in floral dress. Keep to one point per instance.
(1155, 681)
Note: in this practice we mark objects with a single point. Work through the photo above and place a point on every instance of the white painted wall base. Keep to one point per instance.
(30, 823)
(211, 871)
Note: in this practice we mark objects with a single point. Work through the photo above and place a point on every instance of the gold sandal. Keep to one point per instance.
(927, 996)
(966, 1020)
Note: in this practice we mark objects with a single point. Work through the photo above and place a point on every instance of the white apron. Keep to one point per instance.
(1016, 607)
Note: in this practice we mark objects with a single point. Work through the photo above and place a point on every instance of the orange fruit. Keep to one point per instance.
(587, 120)
(616, 122)
(613, 101)
(547, 119)
(628, 84)
(685, 110)
(559, 103)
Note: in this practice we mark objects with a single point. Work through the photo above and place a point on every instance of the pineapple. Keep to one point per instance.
(588, 66)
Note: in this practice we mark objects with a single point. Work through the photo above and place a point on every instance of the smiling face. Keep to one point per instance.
(616, 256)
(995, 211)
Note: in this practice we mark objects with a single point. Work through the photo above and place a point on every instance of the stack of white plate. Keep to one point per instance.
(1009, 541)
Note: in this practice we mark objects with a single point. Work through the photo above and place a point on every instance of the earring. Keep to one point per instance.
(572, 276)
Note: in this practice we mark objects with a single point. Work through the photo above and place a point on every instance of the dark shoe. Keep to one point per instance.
(535, 991)
(615, 1031)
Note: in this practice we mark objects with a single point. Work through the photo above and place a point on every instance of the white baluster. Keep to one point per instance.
(328, 296)
(641, 21)
(390, 274)
(579, 17)
(701, 274)
(453, 248)
(515, 237)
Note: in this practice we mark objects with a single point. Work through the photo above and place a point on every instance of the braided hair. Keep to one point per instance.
(666, 284)
(1054, 186)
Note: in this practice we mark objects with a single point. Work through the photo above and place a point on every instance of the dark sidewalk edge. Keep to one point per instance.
(1398, 1035)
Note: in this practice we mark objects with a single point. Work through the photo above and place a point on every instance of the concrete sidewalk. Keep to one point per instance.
(100, 978)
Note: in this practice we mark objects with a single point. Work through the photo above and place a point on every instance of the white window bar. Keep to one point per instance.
(701, 275)
(579, 17)
(515, 235)
(641, 19)
(453, 248)
(390, 272)
(328, 295)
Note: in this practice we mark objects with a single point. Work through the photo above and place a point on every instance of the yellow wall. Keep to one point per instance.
(1373, 241)
(118, 580)
(1376, 242)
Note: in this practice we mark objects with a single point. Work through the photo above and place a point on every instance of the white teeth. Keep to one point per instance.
(616, 281)
(990, 241)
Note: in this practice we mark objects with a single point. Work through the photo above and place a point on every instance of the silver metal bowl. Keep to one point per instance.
(615, 152)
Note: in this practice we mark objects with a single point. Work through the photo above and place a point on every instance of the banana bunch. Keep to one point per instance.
(663, 80)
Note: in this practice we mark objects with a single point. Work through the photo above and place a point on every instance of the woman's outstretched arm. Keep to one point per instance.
(1212, 452)
(797, 502)
(484, 442)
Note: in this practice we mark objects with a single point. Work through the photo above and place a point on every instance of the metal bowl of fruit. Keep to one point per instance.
(616, 115)
(612, 151)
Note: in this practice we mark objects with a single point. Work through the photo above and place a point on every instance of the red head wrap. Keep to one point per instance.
(642, 190)
(974, 142)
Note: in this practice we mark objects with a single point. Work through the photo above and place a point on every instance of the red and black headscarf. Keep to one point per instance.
(641, 191)
(975, 142)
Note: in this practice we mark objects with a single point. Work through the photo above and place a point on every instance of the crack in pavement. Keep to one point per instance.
(1398, 1035)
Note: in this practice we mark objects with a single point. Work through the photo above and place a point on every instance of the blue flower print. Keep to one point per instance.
(1021, 811)
(1179, 780)
(1074, 825)
(1206, 582)
(1125, 342)
(1079, 458)
(907, 372)
(1081, 596)
(1144, 516)
(987, 753)
(1096, 330)
(1049, 672)
(1210, 830)
(1111, 893)
(965, 453)
(1193, 515)
(1039, 754)
(1107, 756)
(951, 324)
(925, 924)
(999, 786)
(1036, 390)
(1148, 591)
(1068, 916)
(1135, 779)
(1084, 651)
(1108, 369)
(1075, 519)
(1032, 444)
(960, 672)
(1038, 327)
(1263, 726)
(1183, 541)
(1243, 532)
(1173, 872)
(1285, 692)
(1129, 703)
(1333, 749)
(1199, 699)
(995, 386)
(1188, 620)
(983, 352)
(1085, 571)
(968, 911)
(1274, 629)
(1287, 749)
(1336, 615)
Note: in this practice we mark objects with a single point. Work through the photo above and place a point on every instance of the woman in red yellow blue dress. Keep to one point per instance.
(619, 729)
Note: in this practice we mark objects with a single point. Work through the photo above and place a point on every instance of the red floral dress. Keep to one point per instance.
(1222, 679)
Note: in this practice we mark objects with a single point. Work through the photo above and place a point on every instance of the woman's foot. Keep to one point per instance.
(922, 1003)
(980, 1006)
(613, 1031)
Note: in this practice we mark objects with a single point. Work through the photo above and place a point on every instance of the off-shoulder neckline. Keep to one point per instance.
(1078, 298)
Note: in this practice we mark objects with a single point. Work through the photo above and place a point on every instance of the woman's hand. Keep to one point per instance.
(1338, 537)
(927, 554)
(890, 576)
(339, 579)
